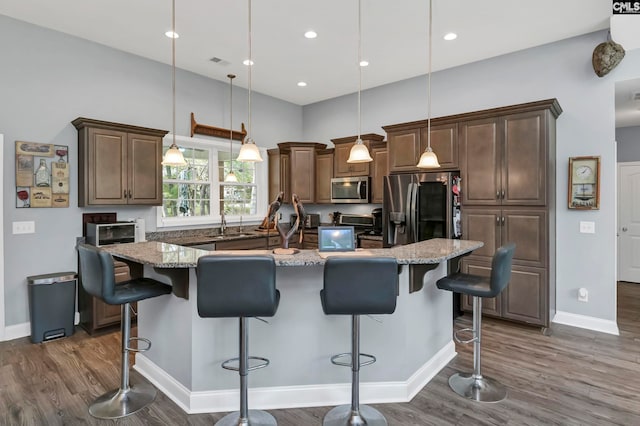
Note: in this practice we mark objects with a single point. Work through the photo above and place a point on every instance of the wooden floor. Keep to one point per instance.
(572, 377)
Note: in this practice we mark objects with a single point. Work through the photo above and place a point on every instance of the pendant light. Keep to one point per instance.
(173, 156)
(428, 159)
(231, 177)
(359, 152)
(249, 151)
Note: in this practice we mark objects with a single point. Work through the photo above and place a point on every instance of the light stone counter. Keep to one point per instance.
(165, 255)
(411, 345)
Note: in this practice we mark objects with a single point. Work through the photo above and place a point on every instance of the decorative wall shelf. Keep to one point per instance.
(218, 132)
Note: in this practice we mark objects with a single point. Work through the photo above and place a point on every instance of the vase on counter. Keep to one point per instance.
(43, 176)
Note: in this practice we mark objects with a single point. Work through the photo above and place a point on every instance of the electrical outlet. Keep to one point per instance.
(583, 295)
(24, 227)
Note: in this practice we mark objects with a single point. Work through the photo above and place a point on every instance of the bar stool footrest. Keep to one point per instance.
(465, 341)
(138, 339)
(227, 364)
(336, 359)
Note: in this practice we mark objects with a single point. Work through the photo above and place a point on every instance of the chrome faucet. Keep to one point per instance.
(223, 223)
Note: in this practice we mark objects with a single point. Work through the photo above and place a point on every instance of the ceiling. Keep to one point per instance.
(394, 35)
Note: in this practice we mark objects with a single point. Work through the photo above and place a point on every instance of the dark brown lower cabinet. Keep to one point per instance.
(526, 298)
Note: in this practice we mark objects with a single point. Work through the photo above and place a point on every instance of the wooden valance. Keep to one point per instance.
(218, 132)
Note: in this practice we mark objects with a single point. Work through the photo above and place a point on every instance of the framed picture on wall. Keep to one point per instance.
(584, 183)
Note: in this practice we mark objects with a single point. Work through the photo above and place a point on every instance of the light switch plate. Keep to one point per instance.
(24, 227)
(587, 227)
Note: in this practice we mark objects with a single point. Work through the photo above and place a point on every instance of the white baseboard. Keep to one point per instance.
(293, 396)
(583, 321)
(17, 331)
(24, 329)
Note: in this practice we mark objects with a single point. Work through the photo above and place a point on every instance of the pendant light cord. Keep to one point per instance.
(359, 69)
(429, 80)
(250, 65)
(231, 77)
(173, 68)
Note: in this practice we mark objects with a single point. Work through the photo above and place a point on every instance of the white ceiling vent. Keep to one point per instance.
(219, 61)
(635, 96)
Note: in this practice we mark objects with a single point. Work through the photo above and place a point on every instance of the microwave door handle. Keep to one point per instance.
(359, 189)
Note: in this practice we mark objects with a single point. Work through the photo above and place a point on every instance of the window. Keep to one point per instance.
(196, 194)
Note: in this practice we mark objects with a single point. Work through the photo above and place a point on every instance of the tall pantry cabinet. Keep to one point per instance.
(507, 165)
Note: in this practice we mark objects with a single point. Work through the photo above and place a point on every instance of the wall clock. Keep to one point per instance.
(584, 183)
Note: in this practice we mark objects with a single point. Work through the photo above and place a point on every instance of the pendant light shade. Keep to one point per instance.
(231, 177)
(173, 156)
(249, 151)
(428, 159)
(359, 152)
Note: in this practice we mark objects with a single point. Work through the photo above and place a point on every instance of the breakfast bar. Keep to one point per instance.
(411, 345)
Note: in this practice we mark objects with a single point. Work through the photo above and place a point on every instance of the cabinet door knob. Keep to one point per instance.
(497, 195)
(502, 194)
(497, 220)
(503, 220)
(129, 193)
(124, 193)
(624, 229)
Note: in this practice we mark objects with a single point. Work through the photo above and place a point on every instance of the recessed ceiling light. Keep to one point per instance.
(302, 84)
(247, 62)
(311, 34)
(364, 63)
(171, 34)
(450, 36)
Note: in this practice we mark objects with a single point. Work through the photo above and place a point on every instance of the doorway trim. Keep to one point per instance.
(2, 322)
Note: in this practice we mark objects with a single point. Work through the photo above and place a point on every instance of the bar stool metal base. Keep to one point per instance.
(343, 415)
(256, 418)
(480, 389)
(120, 403)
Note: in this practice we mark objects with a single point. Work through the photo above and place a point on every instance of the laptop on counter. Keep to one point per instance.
(338, 240)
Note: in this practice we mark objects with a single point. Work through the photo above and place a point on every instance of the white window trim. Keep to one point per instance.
(262, 186)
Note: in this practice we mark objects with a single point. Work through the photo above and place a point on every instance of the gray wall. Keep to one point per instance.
(560, 70)
(628, 139)
(47, 79)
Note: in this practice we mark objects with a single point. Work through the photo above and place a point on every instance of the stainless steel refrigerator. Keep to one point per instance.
(420, 206)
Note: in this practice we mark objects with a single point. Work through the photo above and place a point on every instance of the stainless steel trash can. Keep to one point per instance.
(52, 305)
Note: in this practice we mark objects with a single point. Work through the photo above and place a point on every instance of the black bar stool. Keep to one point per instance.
(239, 286)
(358, 286)
(475, 386)
(98, 279)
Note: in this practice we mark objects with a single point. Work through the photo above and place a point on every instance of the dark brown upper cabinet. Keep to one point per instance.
(407, 142)
(118, 164)
(341, 154)
(292, 170)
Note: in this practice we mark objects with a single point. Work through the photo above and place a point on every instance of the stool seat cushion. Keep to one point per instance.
(482, 286)
(237, 286)
(472, 285)
(97, 275)
(359, 285)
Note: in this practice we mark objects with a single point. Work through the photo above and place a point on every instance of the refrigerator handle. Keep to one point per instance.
(407, 213)
(414, 212)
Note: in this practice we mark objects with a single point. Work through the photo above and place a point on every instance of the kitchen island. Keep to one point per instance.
(411, 345)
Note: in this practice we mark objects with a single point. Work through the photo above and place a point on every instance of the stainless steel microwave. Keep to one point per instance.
(102, 234)
(351, 190)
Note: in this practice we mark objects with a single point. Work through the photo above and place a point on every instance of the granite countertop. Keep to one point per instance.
(166, 255)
